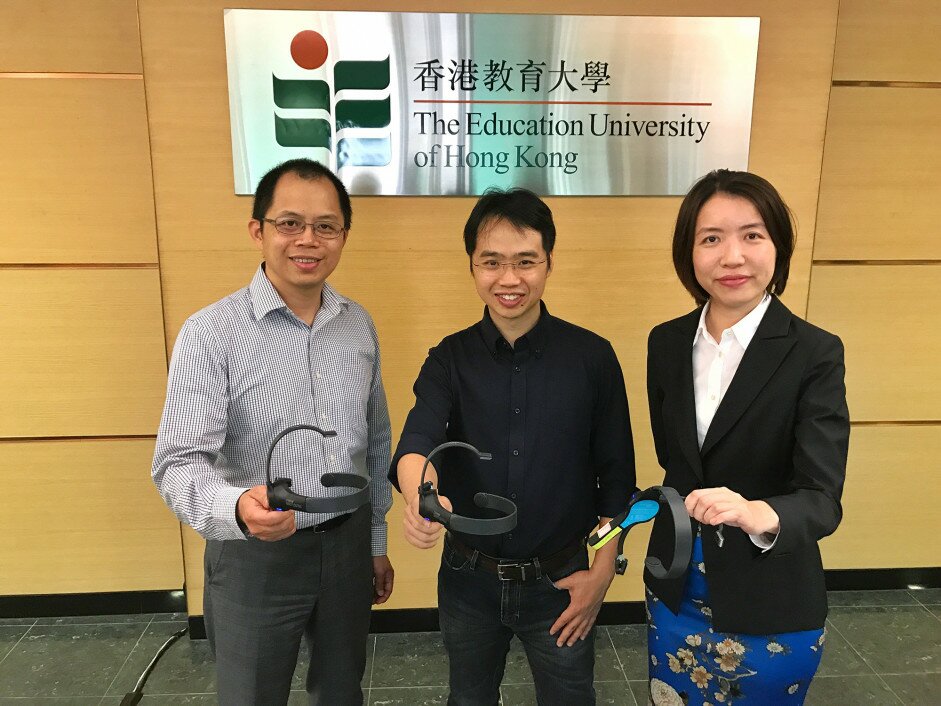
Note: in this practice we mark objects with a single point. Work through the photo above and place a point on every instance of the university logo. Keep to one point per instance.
(295, 97)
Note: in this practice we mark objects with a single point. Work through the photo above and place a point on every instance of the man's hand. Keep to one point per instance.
(383, 577)
(262, 522)
(586, 594)
(587, 590)
(721, 506)
(420, 532)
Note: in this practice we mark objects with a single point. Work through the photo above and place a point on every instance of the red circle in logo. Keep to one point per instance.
(309, 49)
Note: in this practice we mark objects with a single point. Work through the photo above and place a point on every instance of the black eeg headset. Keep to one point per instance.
(280, 497)
(430, 507)
(643, 507)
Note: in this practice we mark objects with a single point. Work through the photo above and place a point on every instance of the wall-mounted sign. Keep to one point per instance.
(433, 104)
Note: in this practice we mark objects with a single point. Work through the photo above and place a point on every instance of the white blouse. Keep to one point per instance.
(714, 366)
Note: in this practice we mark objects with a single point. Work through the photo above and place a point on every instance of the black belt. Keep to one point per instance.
(328, 525)
(515, 569)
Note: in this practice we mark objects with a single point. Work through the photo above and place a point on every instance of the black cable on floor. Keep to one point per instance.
(134, 697)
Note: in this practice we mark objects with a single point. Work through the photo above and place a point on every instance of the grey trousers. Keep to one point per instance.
(261, 598)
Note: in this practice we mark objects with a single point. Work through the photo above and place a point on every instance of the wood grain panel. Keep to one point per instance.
(194, 547)
(888, 41)
(879, 189)
(113, 533)
(890, 500)
(890, 328)
(83, 352)
(98, 36)
(76, 181)
(405, 259)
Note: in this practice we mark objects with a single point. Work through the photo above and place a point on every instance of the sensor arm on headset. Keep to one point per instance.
(430, 507)
(643, 507)
(281, 497)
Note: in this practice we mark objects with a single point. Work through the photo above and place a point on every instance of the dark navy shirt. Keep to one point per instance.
(553, 412)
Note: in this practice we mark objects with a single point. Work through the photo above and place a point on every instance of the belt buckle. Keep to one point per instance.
(514, 565)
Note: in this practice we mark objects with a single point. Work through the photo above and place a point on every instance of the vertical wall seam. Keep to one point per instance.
(160, 288)
(823, 156)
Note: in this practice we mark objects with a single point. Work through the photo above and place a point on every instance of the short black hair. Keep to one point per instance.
(774, 212)
(519, 207)
(305, 169)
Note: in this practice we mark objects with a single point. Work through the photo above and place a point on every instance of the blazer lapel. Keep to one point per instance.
(764, 355)
(681, 364)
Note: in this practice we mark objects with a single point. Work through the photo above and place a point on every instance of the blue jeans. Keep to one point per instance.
(479, 614)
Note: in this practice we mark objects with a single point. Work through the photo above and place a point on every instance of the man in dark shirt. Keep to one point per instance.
(547, 400)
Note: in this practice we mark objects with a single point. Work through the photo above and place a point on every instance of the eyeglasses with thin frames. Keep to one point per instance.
(493, 266)
(288, 225)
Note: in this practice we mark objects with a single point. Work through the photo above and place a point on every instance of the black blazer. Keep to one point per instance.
(780, 435)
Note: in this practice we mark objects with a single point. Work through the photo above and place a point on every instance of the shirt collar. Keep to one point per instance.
(744, 330)
(265, 297)
(536, 336)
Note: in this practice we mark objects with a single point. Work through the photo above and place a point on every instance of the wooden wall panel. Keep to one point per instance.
(76, 181)
(890, 500)
(75, 35)
(88, 352)
(879, 189)
(83, 346)
(193, 549)
(109, 532)
(888, 41)
(890, 328)
(405, 259)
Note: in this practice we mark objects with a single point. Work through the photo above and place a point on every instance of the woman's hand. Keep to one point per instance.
(721, 506)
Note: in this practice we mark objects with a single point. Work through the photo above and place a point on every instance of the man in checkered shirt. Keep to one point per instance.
(285, 350)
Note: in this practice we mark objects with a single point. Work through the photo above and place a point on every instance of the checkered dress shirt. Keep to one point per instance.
(246, 368)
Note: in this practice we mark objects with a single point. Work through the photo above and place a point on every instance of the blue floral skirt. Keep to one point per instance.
(693, 665)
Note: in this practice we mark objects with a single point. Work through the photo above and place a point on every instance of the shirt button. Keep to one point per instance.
(516, 452)
(318, 374)
(333, 457)
(323, 416)
(516, 369)
(516, 411)
(712, 397)
(510, 536)
(513, 496)
(720, 354)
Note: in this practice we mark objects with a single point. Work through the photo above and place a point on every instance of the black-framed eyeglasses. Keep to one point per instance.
(289, 225)
(519, 265)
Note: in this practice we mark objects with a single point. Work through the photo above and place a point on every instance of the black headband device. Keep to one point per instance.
(430, 507)
(643, 507)
(280, 497)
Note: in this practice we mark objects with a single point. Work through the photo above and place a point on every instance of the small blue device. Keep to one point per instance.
(643, 507)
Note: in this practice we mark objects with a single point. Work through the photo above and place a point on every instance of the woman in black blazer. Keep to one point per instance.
(749, 417)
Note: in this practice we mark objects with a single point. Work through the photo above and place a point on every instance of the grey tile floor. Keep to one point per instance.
(883, 647)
